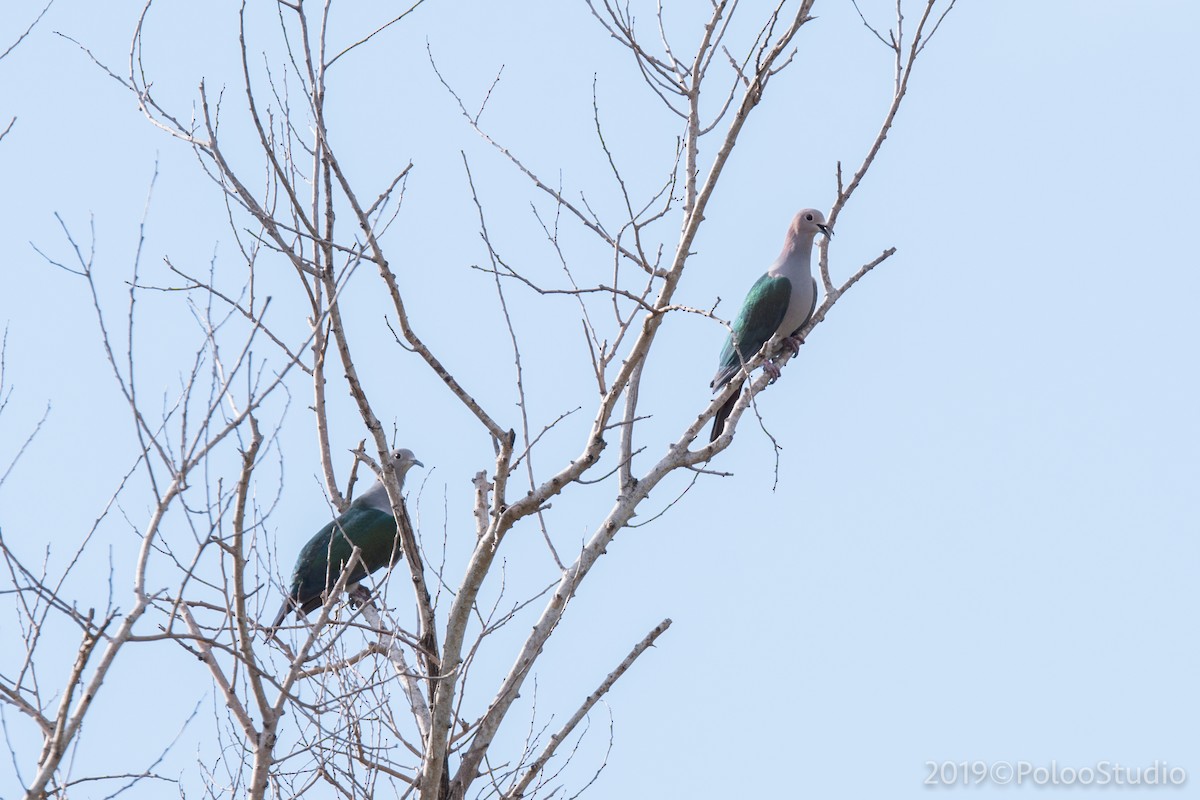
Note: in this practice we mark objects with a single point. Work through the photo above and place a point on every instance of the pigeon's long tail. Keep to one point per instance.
(279, 618)
(723, 413)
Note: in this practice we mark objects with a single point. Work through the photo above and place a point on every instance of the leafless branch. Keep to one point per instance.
(25, 34)
(518, 789)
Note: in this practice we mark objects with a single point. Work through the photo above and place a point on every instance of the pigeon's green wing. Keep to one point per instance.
(762, 312)
(325, 555)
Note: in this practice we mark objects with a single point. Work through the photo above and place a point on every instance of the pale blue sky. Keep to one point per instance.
(984, 542)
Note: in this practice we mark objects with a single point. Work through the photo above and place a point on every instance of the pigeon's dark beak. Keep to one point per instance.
(825, 229)
(417, 463)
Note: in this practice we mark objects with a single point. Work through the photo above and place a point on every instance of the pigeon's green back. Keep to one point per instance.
(322, 559)
(764, 308)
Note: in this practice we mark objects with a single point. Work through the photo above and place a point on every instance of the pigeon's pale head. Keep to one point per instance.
(403, 459)
(809, 223)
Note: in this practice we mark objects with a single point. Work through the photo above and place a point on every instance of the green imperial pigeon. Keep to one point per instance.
(368, 524)
(781, 301)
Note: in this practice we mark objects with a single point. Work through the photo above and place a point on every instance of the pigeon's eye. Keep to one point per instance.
(808, 217)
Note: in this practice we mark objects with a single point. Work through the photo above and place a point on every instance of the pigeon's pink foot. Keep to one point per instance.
(772, 370)
(792, 343)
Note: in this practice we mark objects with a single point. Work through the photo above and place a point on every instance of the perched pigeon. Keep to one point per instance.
(368, 524)
(781, 301)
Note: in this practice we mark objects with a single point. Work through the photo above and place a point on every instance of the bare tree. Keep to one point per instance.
(363, 694)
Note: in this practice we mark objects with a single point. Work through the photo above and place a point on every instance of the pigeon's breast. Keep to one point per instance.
(799, 307)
